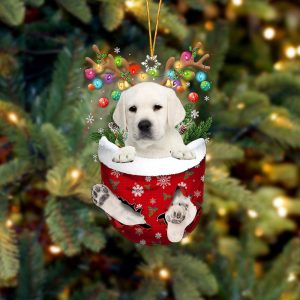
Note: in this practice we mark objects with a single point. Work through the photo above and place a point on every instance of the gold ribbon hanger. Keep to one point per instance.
(152, 43)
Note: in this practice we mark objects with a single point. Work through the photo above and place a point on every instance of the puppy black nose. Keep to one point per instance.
(144, 125)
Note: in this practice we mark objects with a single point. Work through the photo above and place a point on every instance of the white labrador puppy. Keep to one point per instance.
(149, 112)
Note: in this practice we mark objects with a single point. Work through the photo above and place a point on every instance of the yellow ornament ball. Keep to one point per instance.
(98, 68)
(177, 65)
(143, 76)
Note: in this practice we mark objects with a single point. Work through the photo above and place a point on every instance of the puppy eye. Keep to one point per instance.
(132, 108)
(157, 107)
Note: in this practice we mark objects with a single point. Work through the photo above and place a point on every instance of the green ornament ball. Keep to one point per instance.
(118, 61)
(188, 75)
(205, 85)
(115, 95)
(153, 72)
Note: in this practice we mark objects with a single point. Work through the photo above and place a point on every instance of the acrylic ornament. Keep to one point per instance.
(187, 175)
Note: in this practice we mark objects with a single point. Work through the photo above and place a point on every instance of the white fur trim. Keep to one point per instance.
(150, 166)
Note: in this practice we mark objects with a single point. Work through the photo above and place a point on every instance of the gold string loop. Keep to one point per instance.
(152, 43)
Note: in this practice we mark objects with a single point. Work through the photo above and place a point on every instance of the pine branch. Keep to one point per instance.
(12, 171)
(148, 290)
(94, 292)
(192, 269)
(9, 263)
(77, 8)
(56, 144)
(31, 275)
(71, 226)
(112, 14)
(62, 227)
(12, 12)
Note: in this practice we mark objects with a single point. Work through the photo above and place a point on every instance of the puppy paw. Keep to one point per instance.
(183, 154)
(100, 193)
(124, 155)
(176, 214)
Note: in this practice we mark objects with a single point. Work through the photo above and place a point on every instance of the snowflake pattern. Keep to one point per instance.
(148, 178)
(90, 119)
(194, 114)
(206, 98)
(115, 173)
(157, 235)
(139, 206)
(182, 184)
(95, 157)
(139, 231)
(163, 181)
(142, 242)
(137, 190)
(197, 193)
(198, 166)
(117, 50)
(152, 201)
(188, 84)
(151, 63)
(202, 178)
(100, 130)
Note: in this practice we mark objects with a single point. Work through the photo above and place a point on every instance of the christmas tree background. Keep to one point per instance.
(55, 244)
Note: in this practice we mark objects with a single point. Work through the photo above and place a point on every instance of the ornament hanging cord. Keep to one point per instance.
(153, 43)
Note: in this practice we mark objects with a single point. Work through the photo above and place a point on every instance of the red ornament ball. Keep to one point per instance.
(91, 87)
(103, 102)
(193, 97)
(134, 69)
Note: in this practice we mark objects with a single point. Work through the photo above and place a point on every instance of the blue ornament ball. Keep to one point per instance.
(171, 74)
(115, 95)
(98, 83)
(201, 76)
(205, 86)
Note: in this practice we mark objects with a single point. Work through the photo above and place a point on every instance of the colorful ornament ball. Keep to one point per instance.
(115, 95)
(98, 83)
(103, 102)
(118, 60)
(201, 76)
(180, 89)
(186, 55)
(153, 72)
(193, 97)
(176, 83)
(205, 86)
(91, 87)
(188, 75)
(171, 74)
(134, 69)
(108, 78)
(89, 74)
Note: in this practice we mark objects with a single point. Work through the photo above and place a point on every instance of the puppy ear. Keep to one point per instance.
(119, 115)
(176, 111)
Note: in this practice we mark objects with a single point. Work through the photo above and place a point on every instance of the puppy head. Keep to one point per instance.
(147, 110)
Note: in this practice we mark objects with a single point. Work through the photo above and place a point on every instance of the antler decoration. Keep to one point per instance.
(187, 59)
(107, 62)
